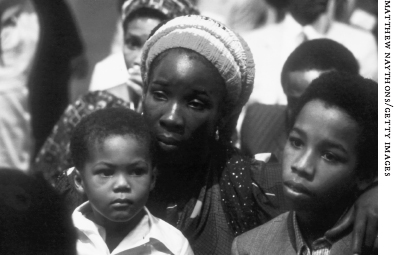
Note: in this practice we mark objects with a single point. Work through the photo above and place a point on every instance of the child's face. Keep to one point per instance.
(135, 35)
(117, 178)
(320, 158)
(183, 103)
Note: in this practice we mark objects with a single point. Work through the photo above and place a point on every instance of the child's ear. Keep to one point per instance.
(78, 182)
(154, 176)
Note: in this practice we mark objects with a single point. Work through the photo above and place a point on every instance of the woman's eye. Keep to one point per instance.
(158, 95)
(295, 142)
(197, 104)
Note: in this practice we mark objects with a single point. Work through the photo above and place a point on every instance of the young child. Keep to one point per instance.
(112, 150)
(330, 155)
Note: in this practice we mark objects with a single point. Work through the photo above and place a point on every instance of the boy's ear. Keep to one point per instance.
(78, 182)
(154, 176)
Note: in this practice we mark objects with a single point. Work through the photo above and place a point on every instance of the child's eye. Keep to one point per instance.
(332, 157)
(105, 172)
(138, 171)
(295, 142)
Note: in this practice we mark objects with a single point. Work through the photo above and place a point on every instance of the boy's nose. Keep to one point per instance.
(172, 119)
(304, 164)
(121, 184)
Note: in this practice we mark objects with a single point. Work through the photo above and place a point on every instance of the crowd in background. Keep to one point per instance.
(57, 65)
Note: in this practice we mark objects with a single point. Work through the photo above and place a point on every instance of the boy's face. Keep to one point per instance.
(320, 158)
(117, 178)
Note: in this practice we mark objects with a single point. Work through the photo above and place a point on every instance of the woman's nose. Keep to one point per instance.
(304, 164)
(121, 183)
(172, 119)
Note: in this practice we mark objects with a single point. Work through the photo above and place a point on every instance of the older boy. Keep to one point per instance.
(330, 156)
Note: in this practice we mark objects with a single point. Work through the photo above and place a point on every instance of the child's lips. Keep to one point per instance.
(297, 188)
(122, 201)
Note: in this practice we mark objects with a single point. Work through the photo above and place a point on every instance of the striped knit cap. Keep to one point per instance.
(170, 8)
(226, 50)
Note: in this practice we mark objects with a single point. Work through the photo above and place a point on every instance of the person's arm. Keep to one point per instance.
(363, 216)
(234, 248)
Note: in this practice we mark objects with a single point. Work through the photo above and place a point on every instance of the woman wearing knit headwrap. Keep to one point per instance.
(197, 75)
(138, 18)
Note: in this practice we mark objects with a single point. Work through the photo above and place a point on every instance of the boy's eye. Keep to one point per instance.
(105, 172)
(332, 157)
(295, 142)
(138, 171)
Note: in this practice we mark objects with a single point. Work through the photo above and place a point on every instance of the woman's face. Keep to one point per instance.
(183, 103)
(135, 35)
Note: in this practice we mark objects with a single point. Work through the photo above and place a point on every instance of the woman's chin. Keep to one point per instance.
(168, 148)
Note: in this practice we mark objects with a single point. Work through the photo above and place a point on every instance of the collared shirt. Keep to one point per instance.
(272, 44)
(320, 246)
(150, 236)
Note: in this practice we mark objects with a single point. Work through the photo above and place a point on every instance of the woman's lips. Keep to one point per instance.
(297, 188)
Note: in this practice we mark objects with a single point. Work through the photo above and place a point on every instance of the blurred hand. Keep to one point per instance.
(135, 80)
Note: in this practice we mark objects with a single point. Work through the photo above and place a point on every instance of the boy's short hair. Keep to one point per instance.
(358, 97)
(320, 54)
(101, 124)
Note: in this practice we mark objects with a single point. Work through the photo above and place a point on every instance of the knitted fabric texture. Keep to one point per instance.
(226, 50)
(170, 8)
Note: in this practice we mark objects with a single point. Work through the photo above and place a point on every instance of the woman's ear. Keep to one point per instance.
(78, 182)
(154, 177)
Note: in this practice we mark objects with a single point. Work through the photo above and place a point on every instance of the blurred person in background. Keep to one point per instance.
(33, 219)
(305, 20)
(19, 31)
(60, 55)
(264, 129)
(111, 71)
(139, 17)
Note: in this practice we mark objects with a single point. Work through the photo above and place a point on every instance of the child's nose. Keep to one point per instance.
(304, 164)
(121, 184)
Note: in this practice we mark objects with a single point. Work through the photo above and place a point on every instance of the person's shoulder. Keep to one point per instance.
(266, 229)
(263, 237)
(352, 33)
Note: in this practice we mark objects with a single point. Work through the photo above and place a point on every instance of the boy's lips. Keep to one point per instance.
(122, 201)
(297, 188)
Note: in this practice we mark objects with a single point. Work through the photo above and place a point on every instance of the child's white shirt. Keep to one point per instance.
(151, 236)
